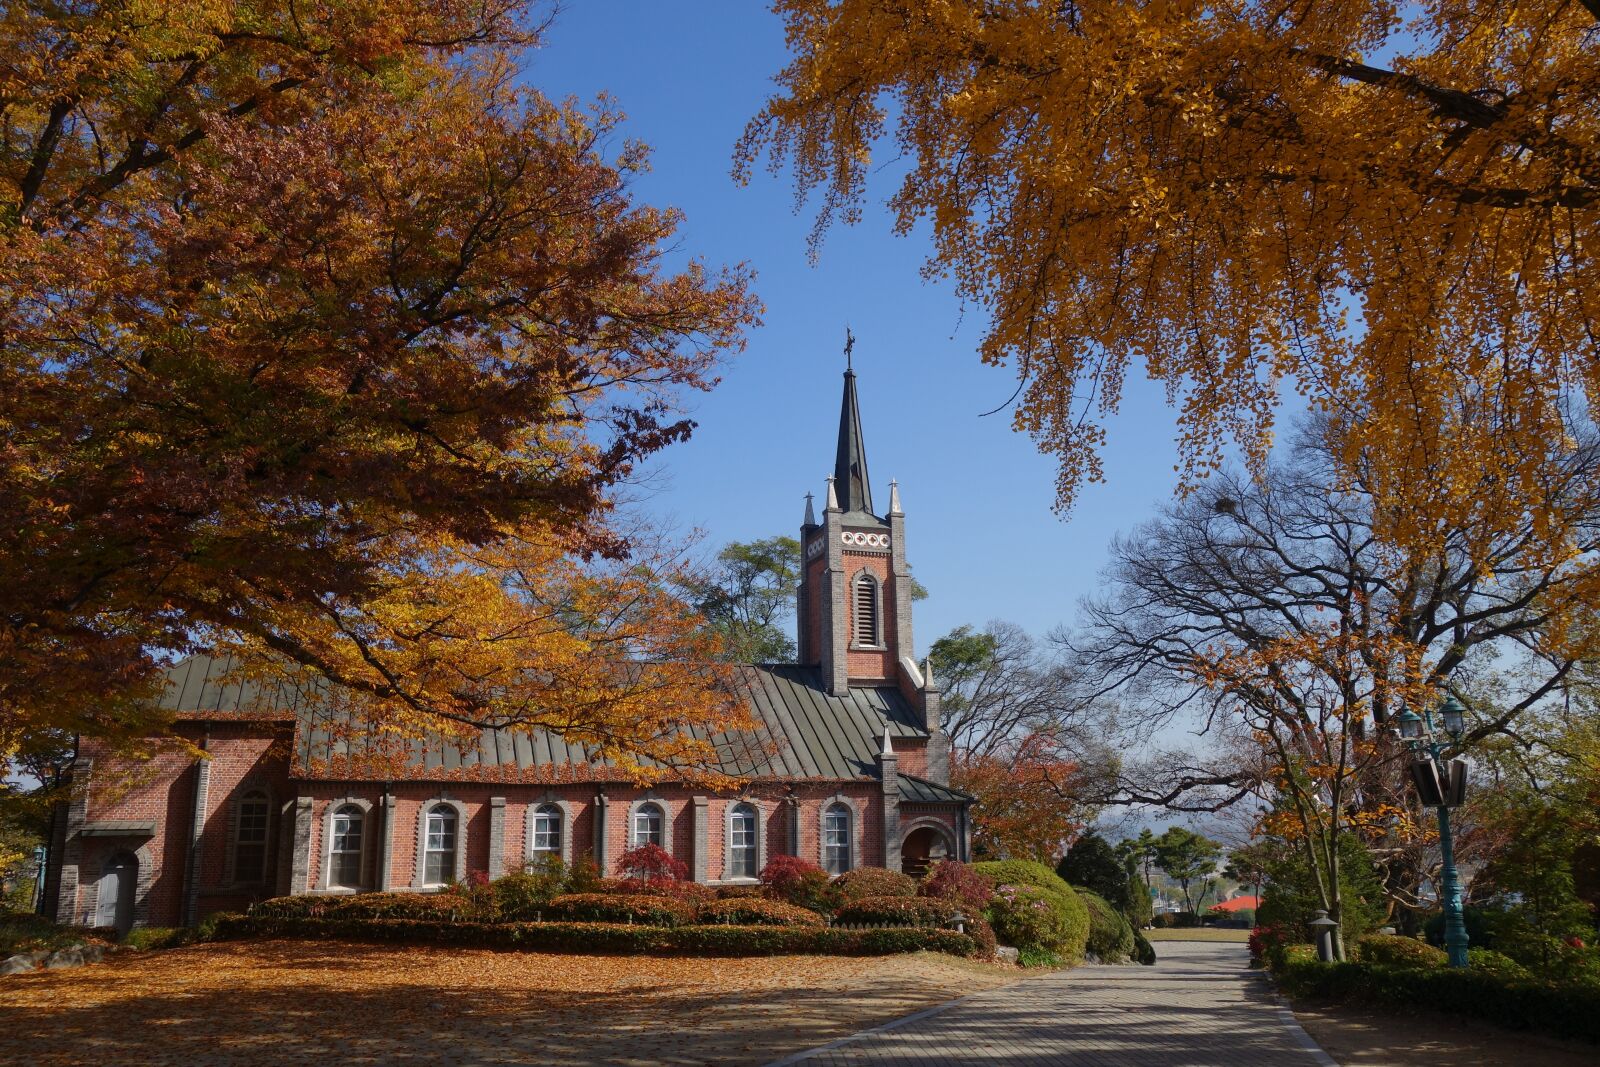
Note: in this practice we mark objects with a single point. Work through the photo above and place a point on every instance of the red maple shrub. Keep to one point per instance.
(798, 882)
(955, 881)
(652, 864)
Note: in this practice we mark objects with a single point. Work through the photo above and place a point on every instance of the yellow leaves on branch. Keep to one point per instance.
(1397, 219)
(521, 636)
(325, 335)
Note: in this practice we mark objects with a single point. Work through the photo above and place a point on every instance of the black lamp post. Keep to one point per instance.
(1441, 785)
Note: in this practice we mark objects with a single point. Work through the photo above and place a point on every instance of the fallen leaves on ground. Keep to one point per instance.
(286, 1002)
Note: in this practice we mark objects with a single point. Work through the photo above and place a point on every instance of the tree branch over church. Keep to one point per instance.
(323, 338)
(1241, 200)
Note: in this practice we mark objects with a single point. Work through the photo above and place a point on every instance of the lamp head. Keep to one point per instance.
(1410, 725)
(1453, 715)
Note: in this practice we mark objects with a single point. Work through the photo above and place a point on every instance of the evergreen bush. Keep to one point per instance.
(1074, 916)
(1110, 936)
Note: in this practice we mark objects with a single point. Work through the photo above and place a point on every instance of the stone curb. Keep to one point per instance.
(61, 959)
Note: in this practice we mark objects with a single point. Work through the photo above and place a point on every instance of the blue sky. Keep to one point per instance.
(980, 530)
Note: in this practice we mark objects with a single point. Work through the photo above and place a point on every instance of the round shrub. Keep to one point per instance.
(982, 935)
(1026, 917)
(1398, 951)
(639, 909)
(798, 882)
(1498, 964)
(955, 881)
(1144, 952)
(897, 911)
(756, 911)
(1168, 920)
(1110, 936)
(873, 882)
(522, 895)
(1074, 915)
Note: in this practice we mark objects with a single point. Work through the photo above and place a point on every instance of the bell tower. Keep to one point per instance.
(854, 603)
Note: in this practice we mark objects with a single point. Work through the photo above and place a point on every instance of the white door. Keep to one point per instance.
(114, 902)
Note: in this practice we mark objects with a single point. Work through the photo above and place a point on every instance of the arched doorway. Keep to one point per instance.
(118, 881)
(922, 848)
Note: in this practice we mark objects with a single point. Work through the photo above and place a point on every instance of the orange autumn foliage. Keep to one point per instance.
(1390, 209)
(1027, 806)
(324, 339)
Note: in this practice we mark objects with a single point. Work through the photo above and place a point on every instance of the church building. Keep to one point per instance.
(853, 769)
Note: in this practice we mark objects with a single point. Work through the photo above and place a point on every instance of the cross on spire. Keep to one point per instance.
(849, 346)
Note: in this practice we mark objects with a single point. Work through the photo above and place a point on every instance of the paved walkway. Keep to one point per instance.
(1198, 1007)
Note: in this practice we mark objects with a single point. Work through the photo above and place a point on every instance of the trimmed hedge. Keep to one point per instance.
(756, 911)
(622, 908)
(901, 911)
(428, 906)
(1398, 951)
(873, 882)
(1074, 914)
(611, 937)
(1568, 1009)
(1110, 936)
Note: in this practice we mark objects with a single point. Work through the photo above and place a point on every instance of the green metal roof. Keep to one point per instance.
(804, 732)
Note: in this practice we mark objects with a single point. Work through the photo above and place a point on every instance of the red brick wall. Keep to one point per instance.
(815, 592)
(870, 665)
(913, 756)
(162, 788)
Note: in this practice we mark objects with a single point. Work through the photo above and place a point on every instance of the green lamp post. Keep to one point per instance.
(1441, 785)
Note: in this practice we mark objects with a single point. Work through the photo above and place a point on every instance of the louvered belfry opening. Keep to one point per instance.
(866, 611)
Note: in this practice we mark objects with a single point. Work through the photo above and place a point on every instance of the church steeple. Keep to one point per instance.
(850, 462)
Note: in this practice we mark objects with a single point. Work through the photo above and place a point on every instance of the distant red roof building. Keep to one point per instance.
(1238, 904)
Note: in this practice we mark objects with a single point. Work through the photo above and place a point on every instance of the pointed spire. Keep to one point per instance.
(927, 674)
(811, 516)
(850, 463)
(894, 498)
(833, 496)
(888, 746)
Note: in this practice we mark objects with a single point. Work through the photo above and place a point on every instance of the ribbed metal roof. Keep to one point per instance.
(804, 732)
(921, 791)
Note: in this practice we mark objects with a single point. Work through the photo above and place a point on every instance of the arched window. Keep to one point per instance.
(439, 860)
(836, 838)
(742, 849)
(546, 837)
(344, 854)
(866, 602)
(252, 815)
(648, 825)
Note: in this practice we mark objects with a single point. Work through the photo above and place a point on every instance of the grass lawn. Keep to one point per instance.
(283, 1002)
(1199, 933)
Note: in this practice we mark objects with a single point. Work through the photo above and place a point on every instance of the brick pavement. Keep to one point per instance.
(1199, 1006)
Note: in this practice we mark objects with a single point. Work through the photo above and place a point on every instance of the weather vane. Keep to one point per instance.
(849, 346)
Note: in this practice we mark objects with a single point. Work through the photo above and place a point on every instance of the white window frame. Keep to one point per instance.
(335, 808)
(564, 810)
(458, 863)
(852, 832)
(759, 846)
(635, 809)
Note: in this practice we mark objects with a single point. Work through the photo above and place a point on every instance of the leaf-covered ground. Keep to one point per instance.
(285, 1002)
